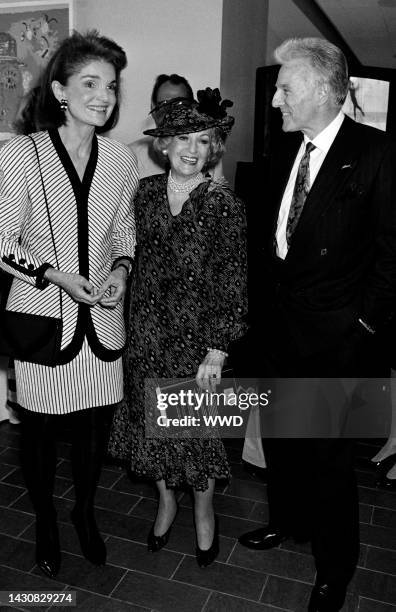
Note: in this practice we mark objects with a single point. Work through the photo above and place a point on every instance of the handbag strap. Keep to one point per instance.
(49, 220)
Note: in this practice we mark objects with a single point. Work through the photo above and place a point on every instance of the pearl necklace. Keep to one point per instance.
(184, 187)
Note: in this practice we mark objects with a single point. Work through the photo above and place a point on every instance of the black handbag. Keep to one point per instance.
(30, 337)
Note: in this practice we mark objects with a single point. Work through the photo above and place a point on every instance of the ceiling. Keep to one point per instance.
(367, 26)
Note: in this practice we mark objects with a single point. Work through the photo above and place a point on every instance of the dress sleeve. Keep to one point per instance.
(124, 232)
(229, 271)
(15, 212)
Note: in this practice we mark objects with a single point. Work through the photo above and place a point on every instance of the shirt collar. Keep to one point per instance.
(325, 138)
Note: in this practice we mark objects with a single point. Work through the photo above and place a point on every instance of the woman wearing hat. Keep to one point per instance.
(188, 301)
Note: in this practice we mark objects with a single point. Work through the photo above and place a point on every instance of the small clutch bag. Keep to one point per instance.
(29, 337)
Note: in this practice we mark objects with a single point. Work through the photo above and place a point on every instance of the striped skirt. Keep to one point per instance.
(84, 382)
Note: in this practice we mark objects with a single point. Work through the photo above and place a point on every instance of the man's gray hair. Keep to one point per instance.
(326, 59)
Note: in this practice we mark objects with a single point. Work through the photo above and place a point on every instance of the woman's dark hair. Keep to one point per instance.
(175, 79)
(43, 110)
(25, 119)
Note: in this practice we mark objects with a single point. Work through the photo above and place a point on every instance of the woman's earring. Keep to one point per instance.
(63, 104)
(164, 152)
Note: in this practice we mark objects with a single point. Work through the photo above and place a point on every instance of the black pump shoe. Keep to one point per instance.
(91, 542)
(48, 556)
(382, 467)
(155, 543)
(206, 557)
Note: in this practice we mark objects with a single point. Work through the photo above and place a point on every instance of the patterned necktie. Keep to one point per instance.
(301, 189)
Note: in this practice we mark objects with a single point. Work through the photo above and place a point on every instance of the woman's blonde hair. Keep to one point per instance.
(217, 138)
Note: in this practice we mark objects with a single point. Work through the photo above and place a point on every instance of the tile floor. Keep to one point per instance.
(135, 580)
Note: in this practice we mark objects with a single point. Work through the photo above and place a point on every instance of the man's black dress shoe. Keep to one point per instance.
(263, 538)
(327, 598)
(388, 483)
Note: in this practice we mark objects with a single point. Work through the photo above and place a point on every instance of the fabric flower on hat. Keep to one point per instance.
(209, 103)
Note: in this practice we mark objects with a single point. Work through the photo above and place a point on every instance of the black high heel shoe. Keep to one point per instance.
(91, 542)
(155, 543)
(382, 468)
(206, 557)
(48, 556)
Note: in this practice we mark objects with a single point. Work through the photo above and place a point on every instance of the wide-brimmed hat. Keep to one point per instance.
(183, 116)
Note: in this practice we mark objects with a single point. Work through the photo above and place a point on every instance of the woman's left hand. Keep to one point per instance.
(115, 286)
(209, 372)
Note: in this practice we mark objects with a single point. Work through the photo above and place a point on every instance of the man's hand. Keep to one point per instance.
(114, 286)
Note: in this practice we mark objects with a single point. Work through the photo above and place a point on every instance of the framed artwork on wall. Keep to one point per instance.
(29, 34)
(372, 98)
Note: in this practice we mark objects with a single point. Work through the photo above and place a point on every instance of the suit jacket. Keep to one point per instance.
(92, 223)
(341, 264)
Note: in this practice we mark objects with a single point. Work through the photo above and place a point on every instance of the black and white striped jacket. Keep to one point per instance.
(93, 225)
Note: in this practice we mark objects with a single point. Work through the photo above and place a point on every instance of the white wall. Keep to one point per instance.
(182, 36)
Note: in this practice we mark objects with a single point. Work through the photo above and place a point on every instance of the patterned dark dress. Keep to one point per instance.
(188, 293)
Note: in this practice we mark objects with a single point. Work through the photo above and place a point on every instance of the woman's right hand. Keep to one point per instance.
(77, 286)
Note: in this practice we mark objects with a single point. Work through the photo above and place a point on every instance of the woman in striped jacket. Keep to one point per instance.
(89, 182)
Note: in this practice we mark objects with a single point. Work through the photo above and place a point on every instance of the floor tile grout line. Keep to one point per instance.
(365, 557)
(264, 586)
(232, 550)
(67, 491)
(381, 601)
(129, 513)
(177, 567)
(265, 572)
(118, 583)
(232, 516)
(368, 569)
(377, 546)
(122, 474)
(16, 499)
(380, 547)
(207, 601)
(98, 506)
(13, 469)
(33, 520)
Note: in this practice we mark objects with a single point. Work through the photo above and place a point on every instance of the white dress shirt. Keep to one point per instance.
(322, 142)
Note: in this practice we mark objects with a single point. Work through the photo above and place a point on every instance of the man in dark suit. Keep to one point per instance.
(327, 277)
